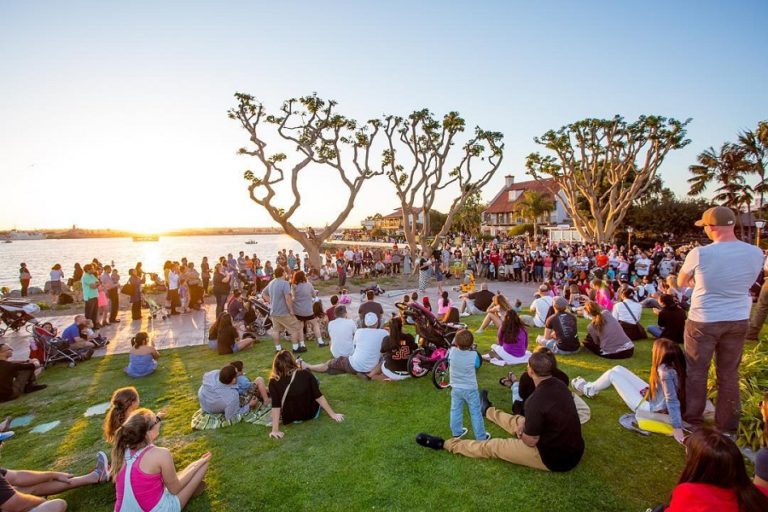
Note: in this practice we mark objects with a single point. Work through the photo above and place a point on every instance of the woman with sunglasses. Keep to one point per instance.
(145, 475)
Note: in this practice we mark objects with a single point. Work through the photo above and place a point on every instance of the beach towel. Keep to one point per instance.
(205, 421)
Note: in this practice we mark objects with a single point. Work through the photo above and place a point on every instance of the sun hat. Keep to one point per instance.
(371, 319)
(717, 216)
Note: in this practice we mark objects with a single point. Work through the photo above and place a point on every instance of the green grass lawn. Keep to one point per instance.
(368, 462)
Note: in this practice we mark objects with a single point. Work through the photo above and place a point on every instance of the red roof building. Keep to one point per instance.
(500, 214)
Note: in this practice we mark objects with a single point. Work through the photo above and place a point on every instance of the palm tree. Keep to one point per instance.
(755, 144)
(728, 168)
(532, 205)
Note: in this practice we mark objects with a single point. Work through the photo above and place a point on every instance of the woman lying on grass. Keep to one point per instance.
(664, 392)
(295, 394)
(145, 475)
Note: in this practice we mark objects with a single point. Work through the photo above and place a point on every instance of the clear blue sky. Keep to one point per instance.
(124, 104)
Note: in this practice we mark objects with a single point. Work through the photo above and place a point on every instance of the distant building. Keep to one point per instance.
(393, 222)
(500, 215)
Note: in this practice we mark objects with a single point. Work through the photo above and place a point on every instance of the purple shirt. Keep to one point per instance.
(517, 347)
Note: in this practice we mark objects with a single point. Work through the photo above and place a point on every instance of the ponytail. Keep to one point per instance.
(122, 399)
(130, 434)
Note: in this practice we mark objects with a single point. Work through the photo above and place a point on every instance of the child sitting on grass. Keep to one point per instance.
(248, 389)
(463, 363)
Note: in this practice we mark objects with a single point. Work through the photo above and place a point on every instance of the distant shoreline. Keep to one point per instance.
(69, 234)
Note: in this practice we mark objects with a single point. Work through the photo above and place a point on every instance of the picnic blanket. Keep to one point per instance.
(205, 421)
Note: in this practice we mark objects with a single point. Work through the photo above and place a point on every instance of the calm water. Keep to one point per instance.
(41, 255)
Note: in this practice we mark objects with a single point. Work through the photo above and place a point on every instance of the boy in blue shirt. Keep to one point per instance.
(463, 365)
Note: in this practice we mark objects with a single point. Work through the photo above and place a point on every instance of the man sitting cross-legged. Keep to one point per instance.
(23, 490)
(366, 355)
(547, 438)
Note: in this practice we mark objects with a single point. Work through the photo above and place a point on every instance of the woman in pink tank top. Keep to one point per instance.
(145, 475)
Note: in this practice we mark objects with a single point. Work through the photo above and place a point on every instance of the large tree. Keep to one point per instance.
(532, 206)
(321, 136)
(605, 164)
(420, 164)
(755, 144)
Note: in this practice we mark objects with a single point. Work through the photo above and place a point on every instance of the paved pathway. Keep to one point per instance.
(192, 328)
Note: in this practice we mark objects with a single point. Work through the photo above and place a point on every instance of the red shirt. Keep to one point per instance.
(602, 260)
(695, 497)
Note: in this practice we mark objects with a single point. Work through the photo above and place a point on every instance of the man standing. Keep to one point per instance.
(278, 293)
(757, 319)
(110, 287)
(173, 288)
(547, 438)
(721, 274)
(90, 294)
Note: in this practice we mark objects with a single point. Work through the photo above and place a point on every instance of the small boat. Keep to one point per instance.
(146, 238)
(251, 242)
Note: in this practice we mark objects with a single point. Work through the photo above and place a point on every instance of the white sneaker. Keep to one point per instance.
(464, 314)
(464, 431)
(487, 436)
(479, 331)
(579, 386)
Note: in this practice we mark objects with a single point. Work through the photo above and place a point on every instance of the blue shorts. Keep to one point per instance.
(213, 345)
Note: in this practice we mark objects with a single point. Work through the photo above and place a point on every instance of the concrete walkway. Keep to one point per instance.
(192, 328)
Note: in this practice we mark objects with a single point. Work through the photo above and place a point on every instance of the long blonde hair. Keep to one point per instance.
(283, 365)
(594, 310)
(131, 435)
(667, 352)
(502, 302)
(121, 401)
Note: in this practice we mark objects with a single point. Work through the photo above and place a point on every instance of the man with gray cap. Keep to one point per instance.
(366, 355)
(721, 275)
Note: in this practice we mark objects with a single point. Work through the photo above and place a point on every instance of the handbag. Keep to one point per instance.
(285, 395)
(633, 331)
(127, 289)
(653, 421)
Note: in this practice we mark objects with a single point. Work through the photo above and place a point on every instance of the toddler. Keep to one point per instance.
(248, 389)
(463, 364)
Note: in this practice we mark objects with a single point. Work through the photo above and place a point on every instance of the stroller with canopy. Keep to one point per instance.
(436, 338)
(15, 314)
(48, 348)
(257, 317)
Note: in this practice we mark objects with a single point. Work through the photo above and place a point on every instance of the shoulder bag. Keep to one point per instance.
(633, 331)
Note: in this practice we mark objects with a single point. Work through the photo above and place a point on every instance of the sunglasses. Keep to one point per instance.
(158, 419)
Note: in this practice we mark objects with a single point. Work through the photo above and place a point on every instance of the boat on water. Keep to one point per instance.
(25, 235)
(251, 242)
(146, 238)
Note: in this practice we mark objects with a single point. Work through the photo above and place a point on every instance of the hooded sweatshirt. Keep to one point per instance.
(216, 397)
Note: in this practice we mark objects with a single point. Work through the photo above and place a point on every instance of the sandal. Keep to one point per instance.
(508, 380)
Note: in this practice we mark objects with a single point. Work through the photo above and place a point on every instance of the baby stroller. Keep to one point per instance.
(155, 308)
(16, 313)
(436, 340)
(468, 283)
(257, 317)
(49, 349)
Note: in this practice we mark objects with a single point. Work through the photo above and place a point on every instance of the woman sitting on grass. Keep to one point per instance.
(224, 336)
(663, 393)
(295, 394)
(714, 477)
(124, 401)
(495, 312)
(605, 337)
(397, 348)
(512, 342)
(145, 475)
(142, 360)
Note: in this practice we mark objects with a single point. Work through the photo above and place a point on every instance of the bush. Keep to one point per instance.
(753, 384)
(520, 229)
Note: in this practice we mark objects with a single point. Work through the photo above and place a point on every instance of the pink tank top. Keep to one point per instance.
(147, 489)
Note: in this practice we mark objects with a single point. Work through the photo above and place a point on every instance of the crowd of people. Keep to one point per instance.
(701, 299)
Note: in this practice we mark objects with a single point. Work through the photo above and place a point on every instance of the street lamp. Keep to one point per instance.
(759, 224)
(630, 230)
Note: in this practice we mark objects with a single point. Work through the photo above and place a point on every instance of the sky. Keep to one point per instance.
(113, 115)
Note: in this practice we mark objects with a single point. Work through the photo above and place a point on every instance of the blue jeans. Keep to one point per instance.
(654, 331)
(472, 398)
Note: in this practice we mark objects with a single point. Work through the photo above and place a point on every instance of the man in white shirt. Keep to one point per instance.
(643, 265)
(366, 355)
(342, 332)
(722, 274)
(539, 307)
(173, 288)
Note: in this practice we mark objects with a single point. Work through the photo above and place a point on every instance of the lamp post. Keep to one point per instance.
(630, 230)
(759, 224)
